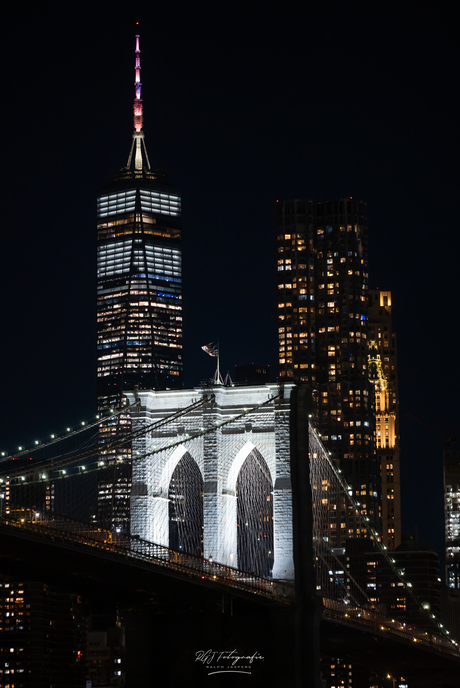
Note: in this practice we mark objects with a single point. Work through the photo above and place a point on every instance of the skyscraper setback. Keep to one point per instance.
(323, 330)
(139, 295)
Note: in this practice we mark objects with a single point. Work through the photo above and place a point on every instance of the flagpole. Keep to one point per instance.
(212, 349)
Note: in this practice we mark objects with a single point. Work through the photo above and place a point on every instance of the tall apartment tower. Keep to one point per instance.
(323, 331)
(451, 594)
(452, 513)
(42, 635)
(139, 299)
(383, 373)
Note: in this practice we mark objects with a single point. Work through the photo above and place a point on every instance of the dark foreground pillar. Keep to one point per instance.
(308, 605)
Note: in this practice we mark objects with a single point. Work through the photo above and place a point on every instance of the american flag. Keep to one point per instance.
(212, 349)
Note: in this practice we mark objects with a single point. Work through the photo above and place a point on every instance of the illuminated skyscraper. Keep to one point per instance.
(42, 635)
(452, 513)
(451, 606)
(383, 372)
(323, 331)
(139, 296)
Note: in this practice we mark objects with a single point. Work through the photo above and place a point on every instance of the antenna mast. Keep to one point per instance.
(138, 134)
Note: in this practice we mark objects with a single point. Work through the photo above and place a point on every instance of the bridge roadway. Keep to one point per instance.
(213, 602)
(66, 533)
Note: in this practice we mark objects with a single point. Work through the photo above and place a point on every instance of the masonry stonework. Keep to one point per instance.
(219, 427)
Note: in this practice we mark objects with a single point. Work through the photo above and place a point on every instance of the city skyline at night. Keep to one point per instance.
(236, 129)
(242, 109)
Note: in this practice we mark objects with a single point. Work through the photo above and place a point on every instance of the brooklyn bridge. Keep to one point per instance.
(216, 524)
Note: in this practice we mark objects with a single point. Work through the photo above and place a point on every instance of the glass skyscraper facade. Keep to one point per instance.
(139, 298)
(139, 304)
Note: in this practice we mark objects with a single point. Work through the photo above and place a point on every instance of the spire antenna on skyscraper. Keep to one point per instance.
(139, 302)
(138, 133)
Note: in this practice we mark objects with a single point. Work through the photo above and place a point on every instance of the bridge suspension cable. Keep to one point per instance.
(337, 516)
(60, 461)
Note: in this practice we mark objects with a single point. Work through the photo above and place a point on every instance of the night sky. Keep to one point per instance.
(241, 107)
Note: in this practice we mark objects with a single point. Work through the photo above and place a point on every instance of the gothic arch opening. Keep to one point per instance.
(254, 490)
(186, 507)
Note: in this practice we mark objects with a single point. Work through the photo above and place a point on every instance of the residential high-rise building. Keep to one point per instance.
(383, 373)
(452, 513)
(323, 331)
(139, 300)
(370, 570)
(42, 635)
(451, 592)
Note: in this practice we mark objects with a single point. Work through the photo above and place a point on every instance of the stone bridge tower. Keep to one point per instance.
(233, 444)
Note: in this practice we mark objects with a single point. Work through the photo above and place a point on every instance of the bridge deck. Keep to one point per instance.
(68, 532)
